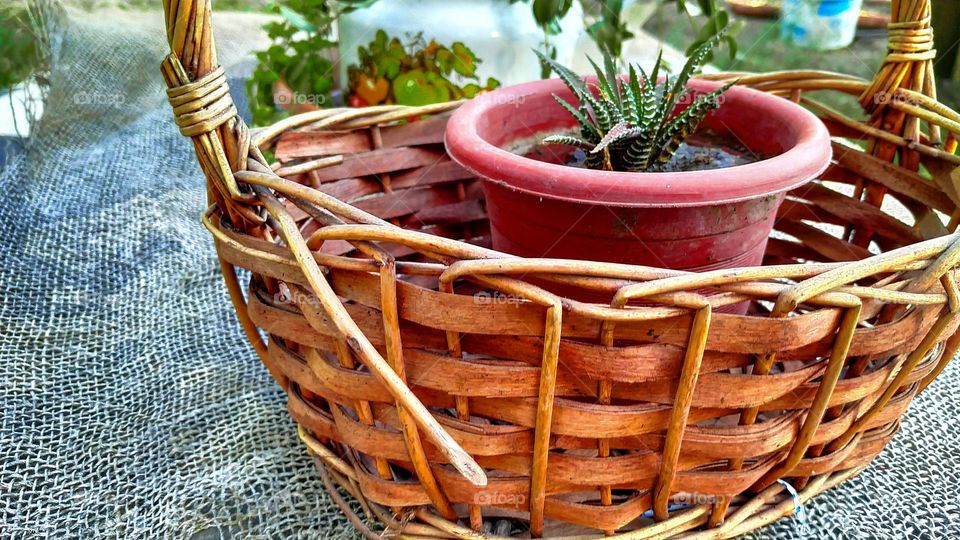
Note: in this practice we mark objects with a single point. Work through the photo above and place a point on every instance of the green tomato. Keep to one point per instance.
(416, 88)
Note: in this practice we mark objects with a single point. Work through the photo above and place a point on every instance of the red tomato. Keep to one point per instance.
(356, 101)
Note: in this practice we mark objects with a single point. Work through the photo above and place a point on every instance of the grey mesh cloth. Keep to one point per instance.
(132, 405)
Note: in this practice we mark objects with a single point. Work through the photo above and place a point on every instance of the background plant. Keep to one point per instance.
(630, 125)
(547, 14)
(17, 46)
(716, 23)
(26, 27)
(609, 31)
(299, 54)
(414, 73)
(302, 48)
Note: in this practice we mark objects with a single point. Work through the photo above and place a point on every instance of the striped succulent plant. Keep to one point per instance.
(628, 123)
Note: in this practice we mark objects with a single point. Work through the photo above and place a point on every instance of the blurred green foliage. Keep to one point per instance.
(18, 48)
(299, 55)
(715, 18)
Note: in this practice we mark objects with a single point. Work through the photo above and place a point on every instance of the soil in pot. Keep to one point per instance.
(703, 151)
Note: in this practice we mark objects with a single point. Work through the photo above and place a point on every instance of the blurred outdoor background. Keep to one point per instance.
(309, 30)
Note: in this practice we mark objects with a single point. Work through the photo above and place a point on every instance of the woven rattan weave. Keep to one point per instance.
(442, 384)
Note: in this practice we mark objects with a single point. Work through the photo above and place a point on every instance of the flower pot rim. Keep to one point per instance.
(808, 157)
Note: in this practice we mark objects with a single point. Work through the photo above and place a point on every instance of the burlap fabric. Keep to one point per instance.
(132, 405)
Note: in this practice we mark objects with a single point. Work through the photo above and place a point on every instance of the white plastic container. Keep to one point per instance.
(502, 34)
(820, 24)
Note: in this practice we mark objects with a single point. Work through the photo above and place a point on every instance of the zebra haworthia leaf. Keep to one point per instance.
(628, 123)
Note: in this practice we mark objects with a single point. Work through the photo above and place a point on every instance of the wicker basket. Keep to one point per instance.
(436, 381)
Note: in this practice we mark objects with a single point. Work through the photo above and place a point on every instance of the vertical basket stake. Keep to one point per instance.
(541, 440)
(391, 329)
(605, 395)
(696, 345)
(345, 358)
(689, 373)
(828, 382)
(461, 402)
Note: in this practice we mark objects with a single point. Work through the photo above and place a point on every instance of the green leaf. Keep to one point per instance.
(388, 67)
(465, 61)
(552, 28)
(606, 86)
(548, 11)
(416, 88)
(571, 79)
(731, 46)
(471, 90)
(720, 21)
(279, 30)
(632, 93)
(655, 73)
(610, 67)
(445, 60)
(550, 52)
(634, 157)
(648, 99)
(692, 66)
(609, 31)
(379, 43)
(685, 123)
(678, 87)
(568, 140)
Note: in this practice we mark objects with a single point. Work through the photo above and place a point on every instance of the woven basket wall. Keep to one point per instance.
(437, 382)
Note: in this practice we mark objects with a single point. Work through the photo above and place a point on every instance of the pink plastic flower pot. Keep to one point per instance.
(682, 220)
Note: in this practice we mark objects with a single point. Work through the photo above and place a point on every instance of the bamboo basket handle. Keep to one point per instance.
(907, 70)
(204, 111)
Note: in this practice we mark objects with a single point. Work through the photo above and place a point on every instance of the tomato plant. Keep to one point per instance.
(416, 72)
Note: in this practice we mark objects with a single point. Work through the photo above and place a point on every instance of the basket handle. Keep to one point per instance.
(204, 111)
(909, 59)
